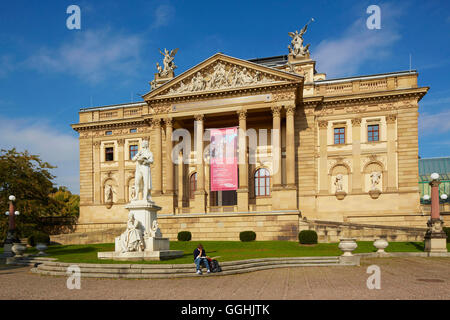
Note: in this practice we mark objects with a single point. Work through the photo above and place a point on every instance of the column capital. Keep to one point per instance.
(276, 110)
(390, 118)
(156, 123)
(242, 114)
(96, 143)
(434, 183)
(120, 142)
(290, 109)
(168, 121)
(323, 124)
(199, 117)
(356, 122)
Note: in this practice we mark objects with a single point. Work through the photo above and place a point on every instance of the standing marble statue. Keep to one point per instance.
(143, 177)
(131, 239)
(339, 183)
(374, 180)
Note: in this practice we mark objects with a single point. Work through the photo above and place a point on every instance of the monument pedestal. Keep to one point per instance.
(435, 239)
(155, 246)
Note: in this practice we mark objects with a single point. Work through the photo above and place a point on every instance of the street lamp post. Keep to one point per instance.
(435, 237)
(11, 236)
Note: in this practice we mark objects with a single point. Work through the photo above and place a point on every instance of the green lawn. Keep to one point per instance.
(227, 250)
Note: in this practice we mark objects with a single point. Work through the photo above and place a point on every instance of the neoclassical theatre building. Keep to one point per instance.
(348, 156)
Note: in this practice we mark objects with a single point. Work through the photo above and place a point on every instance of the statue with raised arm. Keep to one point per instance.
(296, 47)
(168, 63)
(142, 177)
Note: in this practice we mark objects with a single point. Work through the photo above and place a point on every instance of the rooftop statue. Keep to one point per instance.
(296, 47)
(168, 63)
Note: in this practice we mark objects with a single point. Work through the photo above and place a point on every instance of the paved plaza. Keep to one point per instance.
(401, 278)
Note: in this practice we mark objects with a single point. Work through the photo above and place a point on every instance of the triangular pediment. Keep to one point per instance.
(221, 73)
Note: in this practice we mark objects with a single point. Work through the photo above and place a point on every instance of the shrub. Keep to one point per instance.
(184, 236)
(38, 237)
(247, 236)
(307, 237)
(447, 231)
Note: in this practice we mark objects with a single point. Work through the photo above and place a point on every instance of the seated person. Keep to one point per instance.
(199, 257)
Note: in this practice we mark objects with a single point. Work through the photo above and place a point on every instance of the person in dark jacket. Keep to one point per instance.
(199, 258)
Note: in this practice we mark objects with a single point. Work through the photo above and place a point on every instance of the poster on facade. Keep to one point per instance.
(223, 160)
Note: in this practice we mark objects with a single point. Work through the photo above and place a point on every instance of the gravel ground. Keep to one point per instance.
(401, 278)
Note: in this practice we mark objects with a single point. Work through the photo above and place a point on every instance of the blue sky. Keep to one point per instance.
(48, 72)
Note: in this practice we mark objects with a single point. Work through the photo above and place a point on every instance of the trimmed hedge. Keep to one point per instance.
(38, 237)
(184, 236)
(447, 231)
(246, 236)
(307, 237)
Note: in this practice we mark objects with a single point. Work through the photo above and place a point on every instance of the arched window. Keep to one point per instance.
(262, 182)
(192, 185)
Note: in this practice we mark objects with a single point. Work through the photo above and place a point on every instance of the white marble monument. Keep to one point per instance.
(142, 239)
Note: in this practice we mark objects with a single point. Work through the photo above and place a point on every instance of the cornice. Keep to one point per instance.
(379, 96)
(111, 124)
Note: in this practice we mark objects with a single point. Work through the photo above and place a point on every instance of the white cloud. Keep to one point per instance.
(54, 147)
(163, 15)
(434, 123)
(92, 56)
(344, 56)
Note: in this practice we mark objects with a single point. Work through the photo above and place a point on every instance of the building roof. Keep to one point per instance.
(271, 61)
(428, 166)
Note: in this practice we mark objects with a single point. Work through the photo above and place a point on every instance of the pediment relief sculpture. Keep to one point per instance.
(220, 76)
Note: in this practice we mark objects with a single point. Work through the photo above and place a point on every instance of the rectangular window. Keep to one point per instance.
(133, 130)
(108, 133)
(373, 132)
(133, 150)
(339, 135)
(109, 154)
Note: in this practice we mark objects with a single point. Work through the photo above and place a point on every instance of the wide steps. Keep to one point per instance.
(176, 271)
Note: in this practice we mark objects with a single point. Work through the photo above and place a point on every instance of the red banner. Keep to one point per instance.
(223, 160)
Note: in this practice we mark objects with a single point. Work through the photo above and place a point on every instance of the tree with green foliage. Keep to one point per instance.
(28, 178)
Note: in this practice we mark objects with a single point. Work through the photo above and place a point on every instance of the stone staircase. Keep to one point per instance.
(161, 271)
(30, 260)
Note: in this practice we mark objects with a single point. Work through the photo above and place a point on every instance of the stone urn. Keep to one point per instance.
(380, 244)
(41, 247)
(347, 245)
(18, 249)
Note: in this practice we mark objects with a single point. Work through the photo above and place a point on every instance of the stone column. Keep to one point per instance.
(356, 151)
(391, 152)
(157, 157)
(276, 146)
(323, 168)
(435, 214)
(96, 165)
(168, 159)
(180, 194)
(242, 192)
(290, 146)
(121, 183)
(200, 194)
